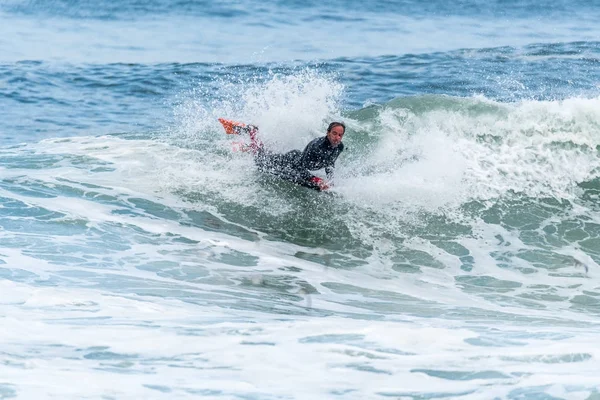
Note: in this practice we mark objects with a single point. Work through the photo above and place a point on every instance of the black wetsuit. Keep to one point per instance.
(295, 165)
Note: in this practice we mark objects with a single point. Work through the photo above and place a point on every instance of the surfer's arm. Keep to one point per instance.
(329, 169)
(310, 152)
(329, 173)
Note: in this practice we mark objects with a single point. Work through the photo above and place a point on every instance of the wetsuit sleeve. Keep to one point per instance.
(331, 167)
(306, 155)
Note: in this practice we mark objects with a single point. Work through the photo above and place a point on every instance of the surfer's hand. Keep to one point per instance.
(319, 182)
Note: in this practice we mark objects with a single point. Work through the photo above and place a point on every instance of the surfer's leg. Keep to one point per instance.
(256, 145)
(276, 163)
(291, 158)
(266, 160)
(238, 128)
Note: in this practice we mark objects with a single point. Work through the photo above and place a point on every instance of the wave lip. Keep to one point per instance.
(538, 148)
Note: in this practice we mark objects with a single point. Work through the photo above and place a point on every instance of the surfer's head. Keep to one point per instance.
(335, 133)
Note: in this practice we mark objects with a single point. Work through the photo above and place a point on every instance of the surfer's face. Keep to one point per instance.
(335, 135)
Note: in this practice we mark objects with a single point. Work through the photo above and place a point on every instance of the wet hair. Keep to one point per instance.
(334, 124)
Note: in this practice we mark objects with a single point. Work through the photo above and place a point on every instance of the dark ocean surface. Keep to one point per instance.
(456, 256)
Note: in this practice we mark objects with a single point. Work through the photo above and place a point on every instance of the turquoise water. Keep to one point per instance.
(456, 257)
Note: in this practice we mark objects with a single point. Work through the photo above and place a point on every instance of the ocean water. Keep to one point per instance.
(457, 256)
